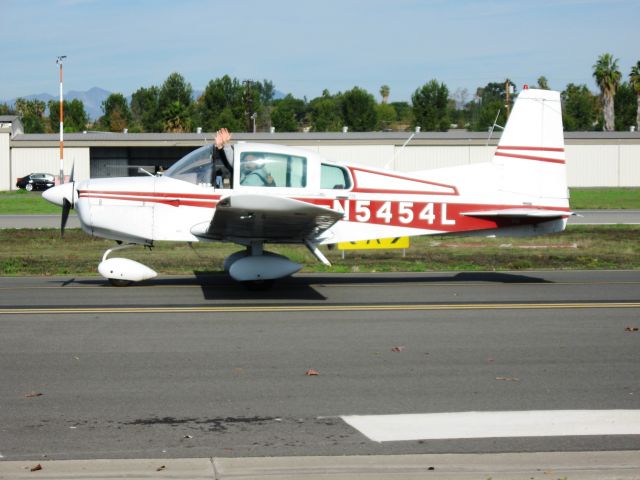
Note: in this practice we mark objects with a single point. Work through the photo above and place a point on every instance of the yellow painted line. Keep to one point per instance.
(314, 308)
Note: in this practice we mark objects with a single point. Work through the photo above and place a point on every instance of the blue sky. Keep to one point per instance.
(306, 46)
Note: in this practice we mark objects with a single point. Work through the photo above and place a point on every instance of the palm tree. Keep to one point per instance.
(607, 77)
(634, 80)
(384, 93)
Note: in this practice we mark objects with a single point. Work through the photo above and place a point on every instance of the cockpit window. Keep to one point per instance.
(195, 167)
(263, 169)
(334, 177)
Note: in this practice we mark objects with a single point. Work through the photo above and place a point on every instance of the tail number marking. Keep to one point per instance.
(402, 213)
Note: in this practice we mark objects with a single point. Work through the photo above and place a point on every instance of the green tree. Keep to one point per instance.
(579, 108)
(543, 83)
(386, 115)
(404, 113)
(117, 115)
(359, 110)
(75, 116)
(384, 93)
(267, 91)
(326, 112)
(625, 107)
(607, 76)
(430, 106)
(489, 104)
(634, 80)
(5, 109)
(175, 104)
(32, 112)
(145, 109)
(221, 105)
(288, 114)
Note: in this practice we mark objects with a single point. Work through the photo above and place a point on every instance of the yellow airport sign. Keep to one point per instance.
(378, 243)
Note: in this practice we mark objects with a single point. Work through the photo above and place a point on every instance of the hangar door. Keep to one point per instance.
(109, 162)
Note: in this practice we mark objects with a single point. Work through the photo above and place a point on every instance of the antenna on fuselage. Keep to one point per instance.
(395, 154)
(493, 127)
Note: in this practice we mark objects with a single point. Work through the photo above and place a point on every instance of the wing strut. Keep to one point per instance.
(313, 248)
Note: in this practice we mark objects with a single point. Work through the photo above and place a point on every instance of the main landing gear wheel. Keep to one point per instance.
(116, 282)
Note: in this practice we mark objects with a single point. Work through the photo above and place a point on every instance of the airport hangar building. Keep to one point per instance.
(594, 159)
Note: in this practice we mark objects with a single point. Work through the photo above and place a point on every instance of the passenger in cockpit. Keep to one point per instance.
(223, 152)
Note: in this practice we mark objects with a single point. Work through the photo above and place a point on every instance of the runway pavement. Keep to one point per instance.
(583, 217)
(199, 367)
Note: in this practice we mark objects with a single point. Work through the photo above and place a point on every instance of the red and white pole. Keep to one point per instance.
(59, 62)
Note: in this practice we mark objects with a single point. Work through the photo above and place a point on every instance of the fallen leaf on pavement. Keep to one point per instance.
(311, 371)
(36, 468)
(631, 329)
(33, 394)
(508, 379)
(161, 467)
(399, 348)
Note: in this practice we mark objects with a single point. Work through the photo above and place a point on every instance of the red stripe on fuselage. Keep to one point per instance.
(357, 189)
(172, 199)
(442, 216)
(203, 196)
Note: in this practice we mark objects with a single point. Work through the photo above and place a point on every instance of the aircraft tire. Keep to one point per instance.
(116, 282)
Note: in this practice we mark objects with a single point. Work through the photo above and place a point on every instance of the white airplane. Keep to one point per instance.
(257, 194)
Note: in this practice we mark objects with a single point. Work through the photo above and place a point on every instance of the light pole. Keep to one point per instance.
(59, 62)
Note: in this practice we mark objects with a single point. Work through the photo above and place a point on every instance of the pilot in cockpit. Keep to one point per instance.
(254, 173)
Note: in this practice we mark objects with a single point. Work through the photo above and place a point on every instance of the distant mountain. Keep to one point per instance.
(92, 99)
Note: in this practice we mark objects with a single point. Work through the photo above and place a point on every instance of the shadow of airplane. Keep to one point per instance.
(219, 286)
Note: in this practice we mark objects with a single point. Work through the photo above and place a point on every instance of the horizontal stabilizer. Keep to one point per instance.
(520, 213)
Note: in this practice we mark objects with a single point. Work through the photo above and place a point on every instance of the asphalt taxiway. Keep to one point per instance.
(198, 366)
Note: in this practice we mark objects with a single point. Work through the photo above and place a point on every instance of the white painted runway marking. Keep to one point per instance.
(532, 423)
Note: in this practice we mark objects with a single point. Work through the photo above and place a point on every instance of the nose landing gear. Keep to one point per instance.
(122, 272)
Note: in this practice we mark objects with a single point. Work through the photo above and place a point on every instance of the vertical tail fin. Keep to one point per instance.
(531, 150)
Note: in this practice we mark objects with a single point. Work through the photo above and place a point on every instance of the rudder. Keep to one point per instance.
(531, 151)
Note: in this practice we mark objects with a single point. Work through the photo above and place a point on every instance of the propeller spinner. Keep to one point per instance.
(62, 195)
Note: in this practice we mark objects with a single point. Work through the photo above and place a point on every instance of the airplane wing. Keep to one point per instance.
(520, 212)
(270, 218)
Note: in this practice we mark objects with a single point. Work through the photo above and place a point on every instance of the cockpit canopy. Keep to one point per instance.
(195, 167)
(260, 167)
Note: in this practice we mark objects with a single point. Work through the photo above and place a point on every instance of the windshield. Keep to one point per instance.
(195, 167)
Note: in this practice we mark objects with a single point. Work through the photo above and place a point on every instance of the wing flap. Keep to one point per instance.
(269, 218)
(520, 213)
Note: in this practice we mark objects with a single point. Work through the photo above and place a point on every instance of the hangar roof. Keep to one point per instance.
(453, 137)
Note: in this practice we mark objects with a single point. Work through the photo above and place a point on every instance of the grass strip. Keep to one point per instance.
(43, 252)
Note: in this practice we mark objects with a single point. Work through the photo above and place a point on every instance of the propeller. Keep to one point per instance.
(62, 195)
(66, 204)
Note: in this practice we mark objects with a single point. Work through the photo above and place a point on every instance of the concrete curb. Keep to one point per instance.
(511, 466)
